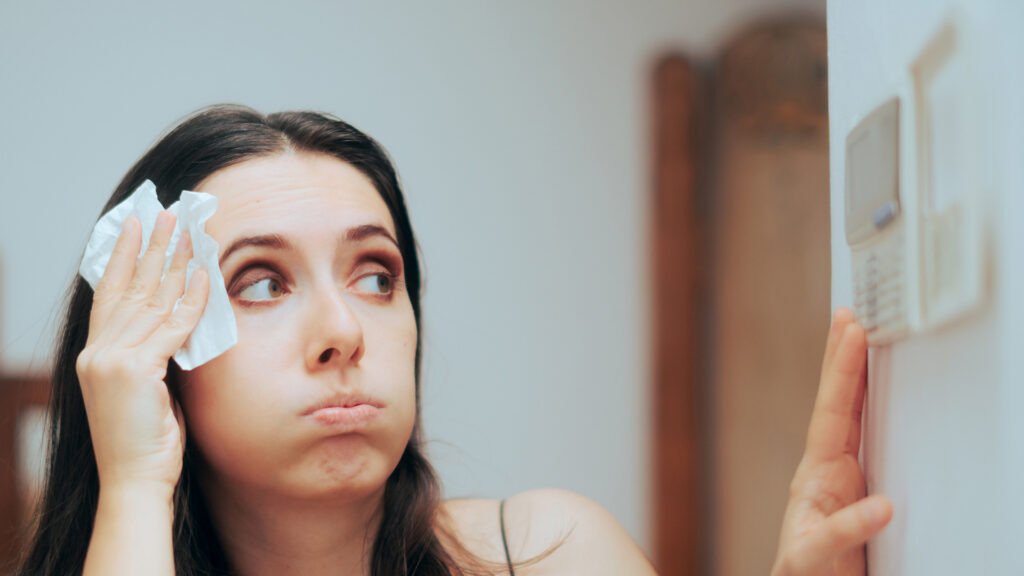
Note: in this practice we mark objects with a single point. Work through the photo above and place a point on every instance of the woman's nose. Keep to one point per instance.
(335, 331)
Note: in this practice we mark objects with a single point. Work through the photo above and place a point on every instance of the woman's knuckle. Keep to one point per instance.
(154, 245)
(178, 265)
(829, 501)
(158, 305)
(120, 251)
(103, 287)
(192, 302)
(176, 324)
(104, 295)
(136, 290)
(155, 250)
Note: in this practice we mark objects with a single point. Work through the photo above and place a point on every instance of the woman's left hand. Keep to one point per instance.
(828, 518)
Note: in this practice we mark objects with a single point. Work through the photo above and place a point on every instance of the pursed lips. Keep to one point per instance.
(345, 413)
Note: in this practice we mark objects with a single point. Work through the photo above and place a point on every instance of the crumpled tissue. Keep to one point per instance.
(216, 331)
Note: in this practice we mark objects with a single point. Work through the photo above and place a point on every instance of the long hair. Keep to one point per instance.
(409, 540)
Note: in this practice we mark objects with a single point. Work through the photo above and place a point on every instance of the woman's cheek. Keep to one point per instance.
(233, 387)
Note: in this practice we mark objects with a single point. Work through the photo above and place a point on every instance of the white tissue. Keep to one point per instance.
(216, 331)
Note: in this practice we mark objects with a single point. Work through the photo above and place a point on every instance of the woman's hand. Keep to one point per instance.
(137, 435)
(828, 519)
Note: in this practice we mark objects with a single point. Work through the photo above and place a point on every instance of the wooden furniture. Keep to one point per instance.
(18, 396)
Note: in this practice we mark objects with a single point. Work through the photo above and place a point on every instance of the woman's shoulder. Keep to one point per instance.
(569, 532)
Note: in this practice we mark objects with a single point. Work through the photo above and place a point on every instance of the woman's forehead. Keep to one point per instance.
(296, 191)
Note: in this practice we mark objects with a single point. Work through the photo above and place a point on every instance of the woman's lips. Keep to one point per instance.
(345, 418)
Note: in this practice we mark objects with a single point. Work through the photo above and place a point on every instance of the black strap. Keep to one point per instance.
(504, 541)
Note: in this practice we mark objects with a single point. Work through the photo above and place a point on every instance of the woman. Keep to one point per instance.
(299, 450)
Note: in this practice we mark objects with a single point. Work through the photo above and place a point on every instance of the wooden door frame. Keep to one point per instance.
(676, 232)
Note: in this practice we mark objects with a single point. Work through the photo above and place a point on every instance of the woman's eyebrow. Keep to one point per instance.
(279, 242)
(360, 233)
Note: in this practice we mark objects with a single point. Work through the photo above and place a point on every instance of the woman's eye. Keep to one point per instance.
(265, 289)
(380, 283)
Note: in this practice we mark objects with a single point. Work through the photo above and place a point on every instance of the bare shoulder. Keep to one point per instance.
(474, 521)
(569, 533)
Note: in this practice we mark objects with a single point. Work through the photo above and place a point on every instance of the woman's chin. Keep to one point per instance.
(341, 479)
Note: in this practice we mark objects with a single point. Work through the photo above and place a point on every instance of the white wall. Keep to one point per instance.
(518, 129)
(944, 433)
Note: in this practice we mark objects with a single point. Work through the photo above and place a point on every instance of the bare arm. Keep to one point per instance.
(137, 433)
(132, 534)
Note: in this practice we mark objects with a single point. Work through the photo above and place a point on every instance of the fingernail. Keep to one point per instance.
(163, 219)
(843, 312)
(184, 242)
(131, 224)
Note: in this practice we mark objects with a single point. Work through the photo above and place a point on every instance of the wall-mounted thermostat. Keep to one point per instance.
(876, 225)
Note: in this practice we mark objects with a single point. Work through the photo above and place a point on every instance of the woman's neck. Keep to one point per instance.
(266, 534)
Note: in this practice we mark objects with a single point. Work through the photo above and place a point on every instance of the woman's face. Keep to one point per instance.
(306, 248)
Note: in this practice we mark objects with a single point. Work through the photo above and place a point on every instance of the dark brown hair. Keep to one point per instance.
(410, 538)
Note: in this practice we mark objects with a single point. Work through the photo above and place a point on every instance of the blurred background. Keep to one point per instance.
(623, 211)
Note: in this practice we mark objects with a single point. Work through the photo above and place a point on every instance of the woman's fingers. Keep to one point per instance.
(136, 429)
(839, 533)
(812, 543)
(147, 275)
(172, 334)
(836, 418)
(159, 306)
(152, 265)
(840, 319)
(119, 271)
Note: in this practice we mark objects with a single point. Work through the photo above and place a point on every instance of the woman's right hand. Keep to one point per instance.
(830, 516)
(137, 431)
